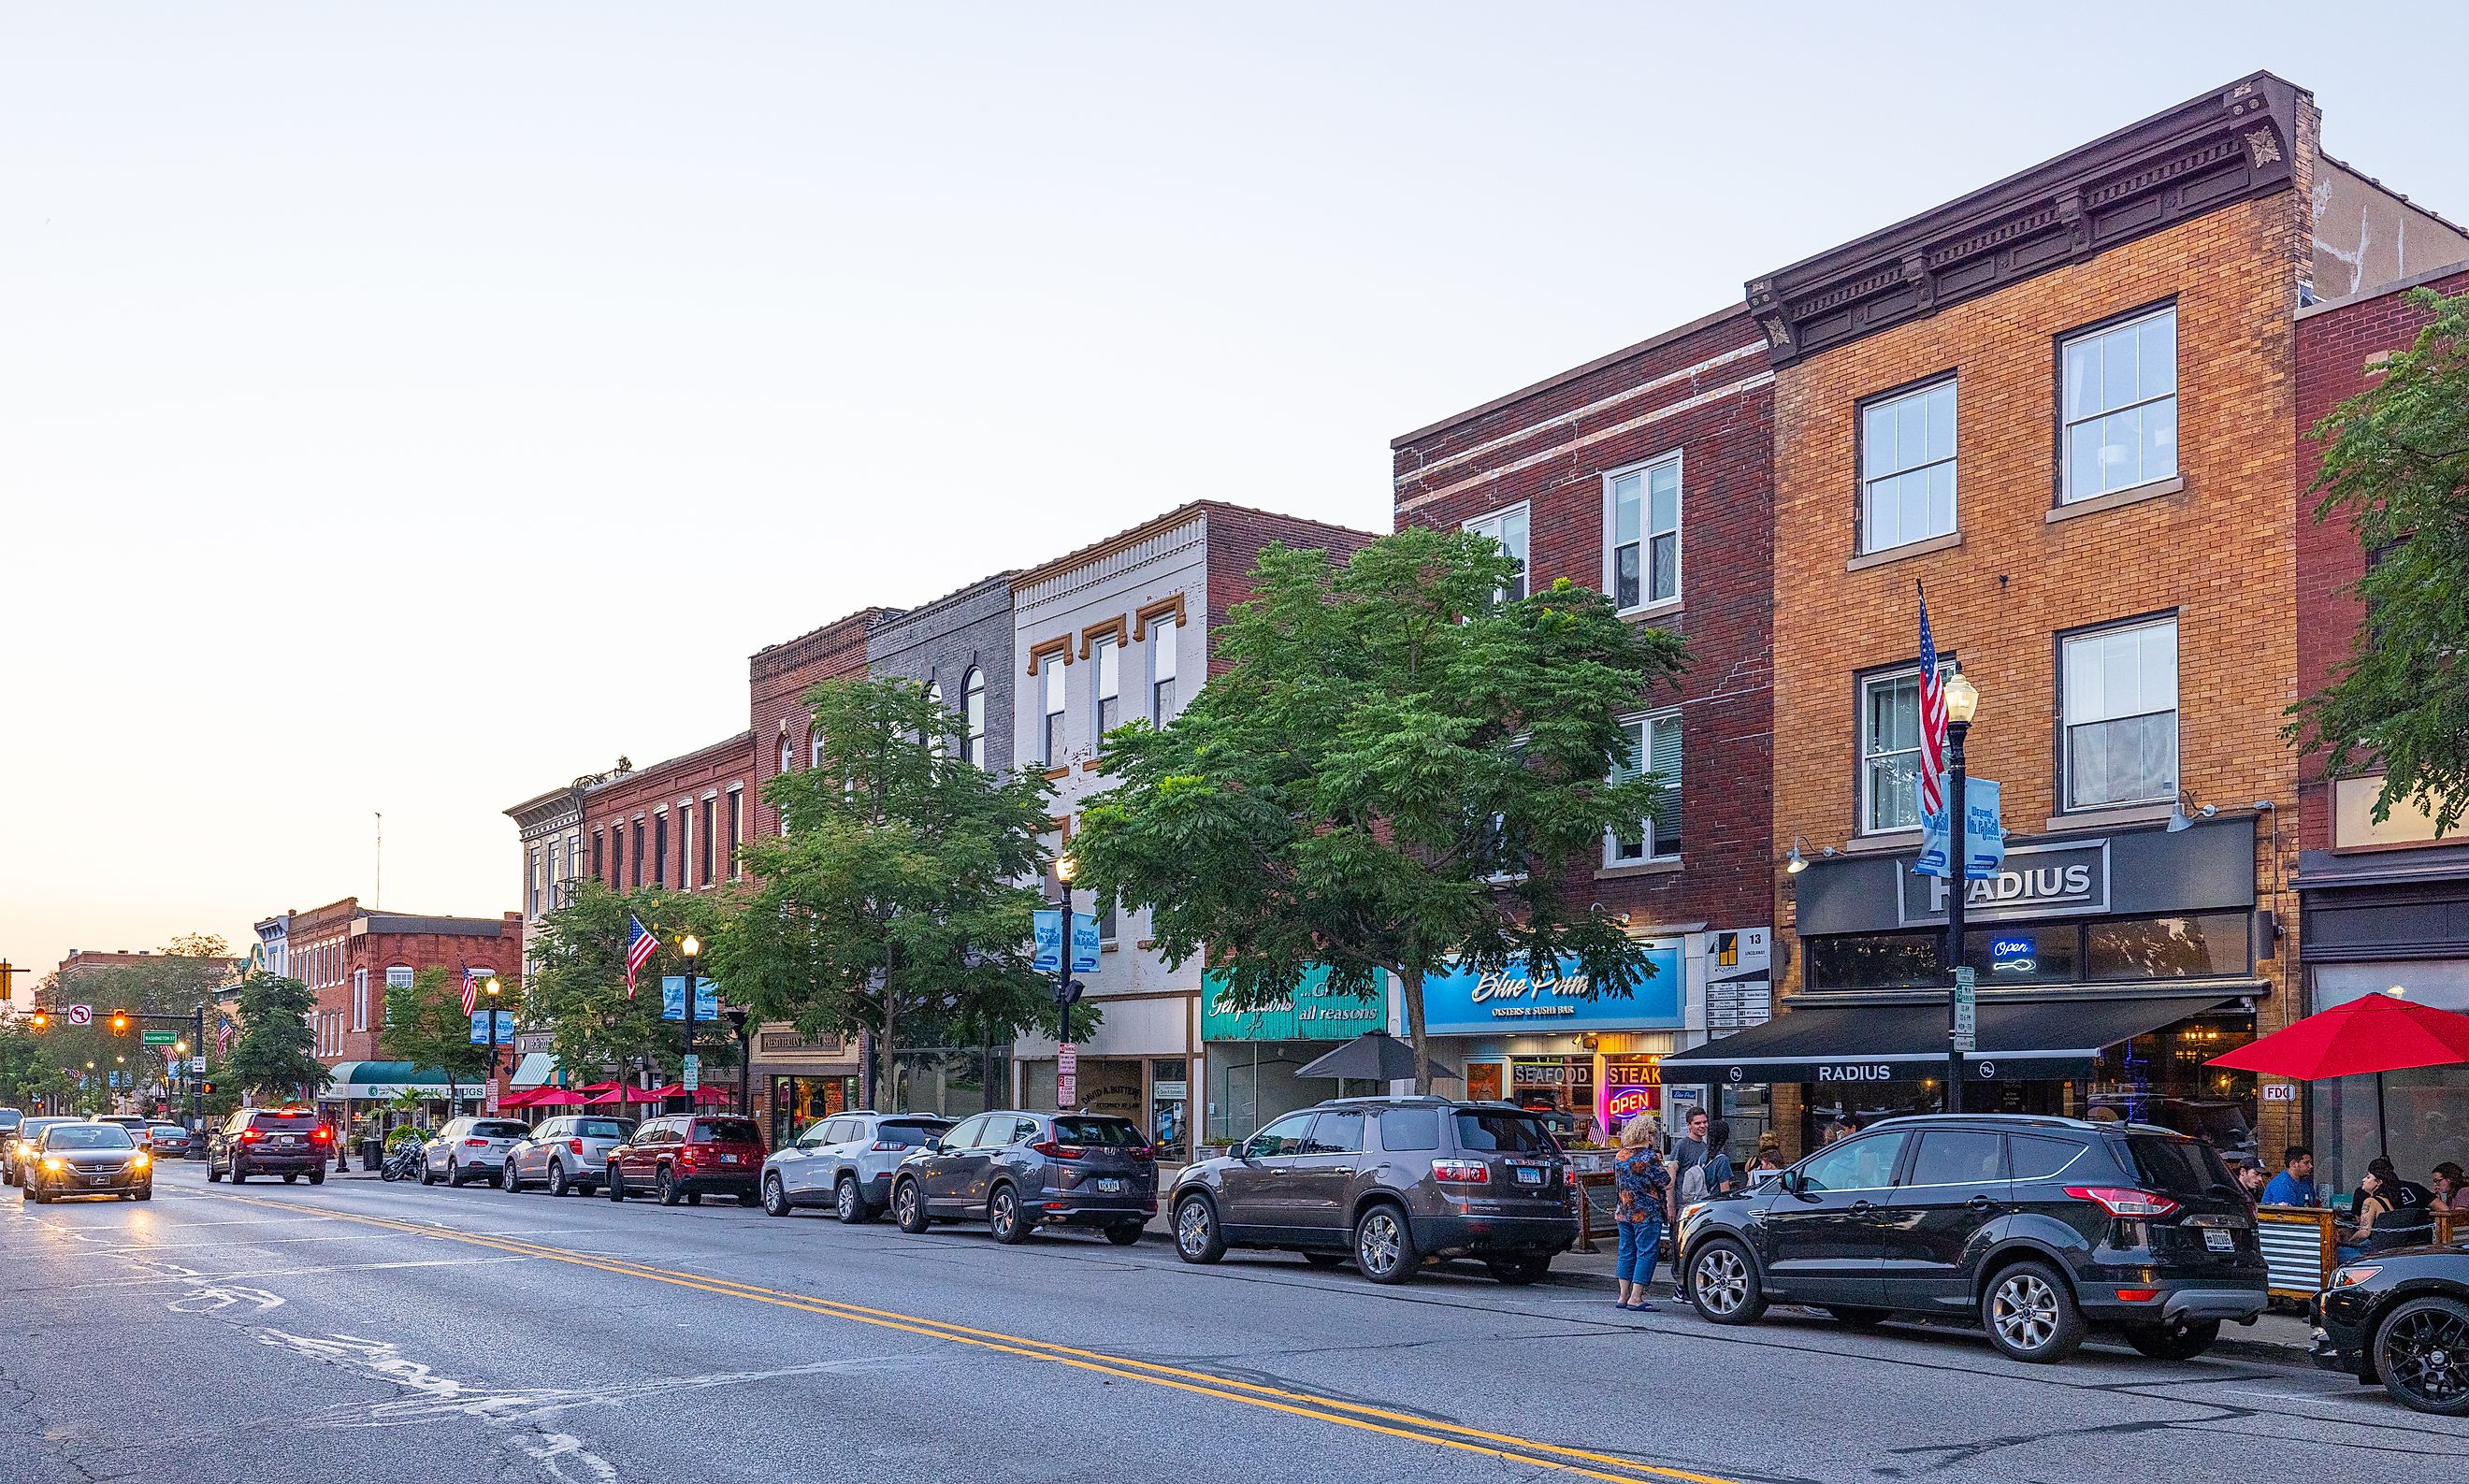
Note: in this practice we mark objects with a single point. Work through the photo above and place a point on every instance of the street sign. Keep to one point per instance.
(80, 1015)
(693, 1079)
(1967, 1003)
(1067, 1076)
(159, 1037)
(196, 1066)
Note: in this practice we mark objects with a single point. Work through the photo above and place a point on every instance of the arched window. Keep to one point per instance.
(815, 750)
(788, 753)
(973, 713)
(942, 739)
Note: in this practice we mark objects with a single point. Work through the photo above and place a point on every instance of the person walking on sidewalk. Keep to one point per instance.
(1644, 1186)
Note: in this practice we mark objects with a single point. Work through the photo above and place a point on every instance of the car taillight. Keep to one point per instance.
(1054, 1151)
(250, 1135)
(1461, 1172)
(884, 1147)
(575, 1145)
(322, 1135)
(1144, 1155)
(476, 1143)
(685, 1154)
(2121, 1200)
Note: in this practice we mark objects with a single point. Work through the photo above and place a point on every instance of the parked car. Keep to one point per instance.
(168, 1141)
(285, 1141)
(1395, 1183)
(141, 1129)
(2402, 1319)
(20, 1144)
(686, 1156)
(845, 1162)
(470, 1149)
(9, 1119)
(1017, 1172)
(2040, 1227)
(87, 1157)
(563, 1154)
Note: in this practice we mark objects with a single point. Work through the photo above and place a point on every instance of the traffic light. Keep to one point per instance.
(206, 1089)
(42, 1020)
(120, 1022)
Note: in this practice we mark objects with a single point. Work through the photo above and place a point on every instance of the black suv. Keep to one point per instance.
(285, 1141)
(1398, 1182)
(2040, 1226)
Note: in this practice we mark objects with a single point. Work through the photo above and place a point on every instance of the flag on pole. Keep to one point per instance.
(223, 1036)
(639, 950)
(1932, 722)
(471, 990)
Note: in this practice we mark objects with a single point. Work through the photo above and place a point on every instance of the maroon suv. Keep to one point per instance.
(687, 1156)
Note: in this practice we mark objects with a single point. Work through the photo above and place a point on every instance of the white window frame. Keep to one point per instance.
(1055, 693)
(1651, 850)
(359, 999)
(2066, 722)
(1106, 675)
(973, 715)
(1643, 472)
(737, 829)
(1946, 666)
(2067, 421)
(1953, 461)
(1496, 526)
(1166, 666)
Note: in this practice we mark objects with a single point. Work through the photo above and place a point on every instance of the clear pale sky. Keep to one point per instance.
(408, 408)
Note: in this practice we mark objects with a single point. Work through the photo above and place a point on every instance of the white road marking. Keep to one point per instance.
(215, 1297)
(561, 1454)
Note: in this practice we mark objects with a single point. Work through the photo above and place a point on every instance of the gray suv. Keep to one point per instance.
(566, 1153)
(1394, 1182)
(846, 1161)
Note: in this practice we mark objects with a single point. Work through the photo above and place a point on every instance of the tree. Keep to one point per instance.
(425, 1026)
(577, 979)
(2396, 469)
(896, 899)
(272, 1055)
(26, 1068)
(190, 970)
(1394, 769)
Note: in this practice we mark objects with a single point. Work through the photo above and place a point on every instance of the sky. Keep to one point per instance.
(404, 409)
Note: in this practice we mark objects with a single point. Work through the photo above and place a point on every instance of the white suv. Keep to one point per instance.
(846, 1161)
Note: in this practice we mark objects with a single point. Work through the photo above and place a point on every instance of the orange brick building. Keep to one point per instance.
(2064, 404)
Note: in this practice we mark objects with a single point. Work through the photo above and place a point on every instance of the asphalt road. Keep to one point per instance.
(361, 1330)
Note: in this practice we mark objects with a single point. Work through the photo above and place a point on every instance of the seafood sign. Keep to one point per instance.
(1516, 1000)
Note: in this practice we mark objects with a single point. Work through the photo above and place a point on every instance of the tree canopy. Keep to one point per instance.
(1393, 768)
(273, 1054)
(895, 903)
(577, 979)
(2396, 470)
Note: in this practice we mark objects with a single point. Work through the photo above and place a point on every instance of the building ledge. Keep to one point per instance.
(1883, 843)
(2118, 499)
(1922, 548)
(1641, 868)
(2082, 821)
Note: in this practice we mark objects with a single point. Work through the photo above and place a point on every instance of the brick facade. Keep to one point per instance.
(780, 674)
(944, 642)
(666, 808)
(343, 952)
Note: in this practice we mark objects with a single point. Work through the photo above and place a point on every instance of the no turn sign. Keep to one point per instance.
(81, 1015)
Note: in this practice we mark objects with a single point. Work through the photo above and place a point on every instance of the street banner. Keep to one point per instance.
(1984, 835)
(480, 1027)
(1046, 929)
(673, 998)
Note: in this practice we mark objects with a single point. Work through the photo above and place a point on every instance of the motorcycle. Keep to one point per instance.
(404, 1163)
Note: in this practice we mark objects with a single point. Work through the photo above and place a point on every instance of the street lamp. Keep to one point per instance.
(1962, 704)
(692, 1076)
(491, 989)
(1067, 869)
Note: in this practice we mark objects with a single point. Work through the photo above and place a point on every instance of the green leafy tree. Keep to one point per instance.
(577, 979)
(273, 1056)
(191, 970)
(27, 1070)
(2396, 469)
(1394, 769)
(895, 901)
(425, 1025)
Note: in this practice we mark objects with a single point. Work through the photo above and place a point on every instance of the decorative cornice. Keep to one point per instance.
(2210, 152)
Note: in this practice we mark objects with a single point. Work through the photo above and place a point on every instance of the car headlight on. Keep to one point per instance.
(2354, 1275)
(52, 1163)
(142, 1160)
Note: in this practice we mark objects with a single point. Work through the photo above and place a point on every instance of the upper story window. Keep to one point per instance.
(1642, 508)
(1508, 527)
(2121, 407)
(788, 753)
(1164, 635)
(599, 858)
(660, 849)
(2119, 699)
(1055, 713)
(1890, 749)
(736, 828)
(1908, 468)
(814, 748)
(973, 715)
(1109, 656)
(1654, 747)
(940, 744)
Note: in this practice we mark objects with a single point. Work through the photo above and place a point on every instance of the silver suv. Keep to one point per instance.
(470, 1149)
(846, 1161)
(566, 1153)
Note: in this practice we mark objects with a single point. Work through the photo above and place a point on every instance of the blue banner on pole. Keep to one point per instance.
(1046, 929)
(480, 1027)
(673, 998)
(1984, 836)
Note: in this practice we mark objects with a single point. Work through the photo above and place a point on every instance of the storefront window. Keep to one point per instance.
(1875, 961)
(2010, 955)
(2424, 1115)
(1169, 1120)
(2167, 948)
(1252, 1081)
(799, 1101)
(952, 1083)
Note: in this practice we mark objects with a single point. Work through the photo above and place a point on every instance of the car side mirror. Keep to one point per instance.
(1245, 1152)
(1790, 1181)
(933, 1146)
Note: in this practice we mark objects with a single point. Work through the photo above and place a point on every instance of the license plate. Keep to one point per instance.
(728, 1159)
(286, 1140)
(1525, 1176)
(98, 1180)
(1110, 1187)
(2219, 1240)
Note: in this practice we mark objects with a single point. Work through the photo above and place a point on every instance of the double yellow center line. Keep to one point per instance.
(1357, 1415)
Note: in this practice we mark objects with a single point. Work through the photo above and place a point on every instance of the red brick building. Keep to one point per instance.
(780, 674)
(2386, 905)
(348, 954)
(679, 824)
(1647, 474)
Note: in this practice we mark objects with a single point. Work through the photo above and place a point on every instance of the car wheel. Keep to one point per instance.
(290, 1177)
(1123, 1234)
(239, 1172)
(775, 1196)
(1197, 1237)
(1003, 1215)
(2030, 1315)
(1856, 1318)
(2173, 1341)
(213, 1177)
(909, 1207)
(617, 1184)
(147, 1194)
(453, 1175)
(428, 1174)
(1724, 1283)
(1520, 1270)
(556, 1179)
(1325, 1258)
(2422, 1353)
(1384, 1246)
(748, 1197)
(42, 1197)
(507, 1180)
(664, 1186)
(694, 1197)
(848, 1202)
(317, 1176)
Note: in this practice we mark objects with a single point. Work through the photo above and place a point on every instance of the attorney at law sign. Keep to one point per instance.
(1517, 1001)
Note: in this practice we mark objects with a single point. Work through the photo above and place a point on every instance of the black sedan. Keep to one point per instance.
(2401, 1318)
(87, 1159)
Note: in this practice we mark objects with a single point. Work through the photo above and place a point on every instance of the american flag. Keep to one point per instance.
(1932, 722)
(472, 988)
(223, 1036)
(639, 948)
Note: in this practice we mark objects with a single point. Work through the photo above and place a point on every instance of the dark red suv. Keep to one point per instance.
(686, 1156)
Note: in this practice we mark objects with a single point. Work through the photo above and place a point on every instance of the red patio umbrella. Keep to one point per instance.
(600, 1086)
(2373, 1033)
(555, 1097)
(523, 1099)
(620, 1093)
(708, 1097)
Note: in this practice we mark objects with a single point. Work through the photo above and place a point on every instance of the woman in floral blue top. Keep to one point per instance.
(1645, 1185)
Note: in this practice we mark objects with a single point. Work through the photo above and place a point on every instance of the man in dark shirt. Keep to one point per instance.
(1687, 1154)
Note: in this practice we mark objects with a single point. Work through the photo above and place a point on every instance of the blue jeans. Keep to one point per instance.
(1638, 1242)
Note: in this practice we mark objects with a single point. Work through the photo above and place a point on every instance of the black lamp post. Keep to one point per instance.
(689, 1070)
(737, 1022)
(1066, 870)
(1962, 702)
(490, 989)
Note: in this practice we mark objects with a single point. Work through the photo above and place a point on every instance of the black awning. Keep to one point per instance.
(2039, 1041)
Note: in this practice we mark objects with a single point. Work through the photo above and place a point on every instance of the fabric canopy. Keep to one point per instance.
(379, 1080)
(2016, 1042)
(553, 1097)
(618, 1093)
(2373, 1032)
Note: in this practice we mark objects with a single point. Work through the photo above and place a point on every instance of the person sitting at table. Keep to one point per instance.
(2401, 1196)
(2451, 1187)
(2367, 1205)
(2295, 1184)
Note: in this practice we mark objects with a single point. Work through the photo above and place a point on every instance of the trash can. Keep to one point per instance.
(372, 1152)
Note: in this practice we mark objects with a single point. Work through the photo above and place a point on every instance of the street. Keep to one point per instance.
(363, 1331)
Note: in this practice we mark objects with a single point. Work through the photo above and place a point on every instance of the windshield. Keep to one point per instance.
(87, 1136)
(280, 1121)
(159, 1130)
(500, 1130)
(908, 1136)
(1105, 1132)
(1503, 1133)
(2179, 1167)
(724, 1131)
(35, 1127)
(603, 1127)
